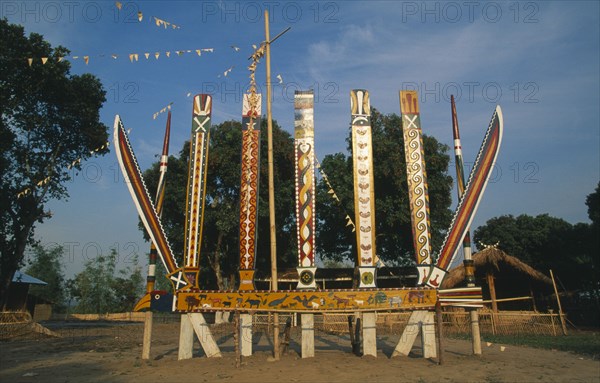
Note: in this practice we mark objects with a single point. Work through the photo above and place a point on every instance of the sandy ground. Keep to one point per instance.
(108, 352)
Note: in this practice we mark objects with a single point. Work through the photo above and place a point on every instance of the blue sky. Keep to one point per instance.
(538, 60)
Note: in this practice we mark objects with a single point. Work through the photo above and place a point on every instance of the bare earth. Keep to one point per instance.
(108, 352)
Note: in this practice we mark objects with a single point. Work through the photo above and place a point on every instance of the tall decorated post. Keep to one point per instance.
(364, 194)
(468, 203)
(251, 110)
(417, 181)
(304, 155)
(196, 187)
(468, 259)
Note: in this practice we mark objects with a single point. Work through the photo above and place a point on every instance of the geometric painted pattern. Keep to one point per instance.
(468, 203)
(251, 111)
(196, 187)
(364, 195)
(304, 143)
(417, 181)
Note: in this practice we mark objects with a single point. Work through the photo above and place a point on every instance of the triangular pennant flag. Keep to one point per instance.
(147, 55)
(199, 52)
(166, 24)
(75, 57)
(140, 16)
(30, 61)
(113, 56)
(189, 94)
(44, 59)
(60, 59)
(168, 54)
(118, 5)
(180, 53)
(156, 55)
(158, 21)
(154, 116)
(131, 57)
(330, 191)
(169, 106)
(208, 49)
(86, 59)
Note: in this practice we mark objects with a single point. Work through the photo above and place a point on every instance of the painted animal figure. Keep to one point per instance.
(226, 304)
(253, 302)
(341, 301)
(395, 301)
(192, 302)
(419, 296)
(277, 302)
(306, 302)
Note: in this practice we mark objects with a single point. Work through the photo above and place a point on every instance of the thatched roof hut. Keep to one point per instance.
(503, 278)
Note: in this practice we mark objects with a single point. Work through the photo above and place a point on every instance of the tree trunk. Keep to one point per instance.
(215, 264)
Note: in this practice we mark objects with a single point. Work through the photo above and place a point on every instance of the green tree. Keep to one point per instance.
(93, 287)
(99, 288)
(46, 265)
(336, 241)
(220, 243)
(48, 119)
(546, 242)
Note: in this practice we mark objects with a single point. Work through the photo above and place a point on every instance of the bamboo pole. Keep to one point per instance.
(490, 281)
(271, 184)
(440, 330)
(560, 312)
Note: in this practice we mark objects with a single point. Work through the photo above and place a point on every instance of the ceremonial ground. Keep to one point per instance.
(108, 352)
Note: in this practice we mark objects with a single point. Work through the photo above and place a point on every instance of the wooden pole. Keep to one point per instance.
(490, 281)
(271, 184)
(560, 312)
(440, 330)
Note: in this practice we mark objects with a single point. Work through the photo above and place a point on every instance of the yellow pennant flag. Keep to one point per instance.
(30, 61)
(199, 52)
(86, 59)
(158, 21)
(118, 5)
(156, 55)
(60, 59)
(147, 55)
(168, 54)
(44, 59)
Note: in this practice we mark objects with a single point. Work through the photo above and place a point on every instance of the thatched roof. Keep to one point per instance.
(493, 259)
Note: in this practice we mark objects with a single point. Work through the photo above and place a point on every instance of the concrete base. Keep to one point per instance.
(419, 322)
(246, 334)
(369, 333)
(308, 335)
(195, 323)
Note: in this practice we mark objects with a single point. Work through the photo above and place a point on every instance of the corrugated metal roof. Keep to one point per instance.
(20, 277)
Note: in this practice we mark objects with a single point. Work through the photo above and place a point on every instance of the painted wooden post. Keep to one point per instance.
(369, 333)
(308, 335)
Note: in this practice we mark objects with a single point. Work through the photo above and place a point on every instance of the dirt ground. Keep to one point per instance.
(111, 352)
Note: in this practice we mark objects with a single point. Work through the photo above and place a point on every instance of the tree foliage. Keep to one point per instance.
(48, 119)
(220, 243)
(99, 288)
(336, 241)
(546, 242)
(46, 265)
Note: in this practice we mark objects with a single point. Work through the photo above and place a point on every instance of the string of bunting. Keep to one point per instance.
(43, 182)
(331, 192)
(157, 21)
(132, 56)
